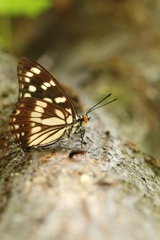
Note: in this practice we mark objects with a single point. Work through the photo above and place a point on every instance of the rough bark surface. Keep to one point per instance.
(108, 193)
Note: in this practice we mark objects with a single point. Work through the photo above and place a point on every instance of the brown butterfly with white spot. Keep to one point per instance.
(44, 113)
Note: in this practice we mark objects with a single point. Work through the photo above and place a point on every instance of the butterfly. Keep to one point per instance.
(44, 113)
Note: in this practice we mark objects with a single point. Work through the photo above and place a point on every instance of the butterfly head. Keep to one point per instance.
(84, 119)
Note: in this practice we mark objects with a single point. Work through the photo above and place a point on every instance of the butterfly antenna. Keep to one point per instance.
(94, 107)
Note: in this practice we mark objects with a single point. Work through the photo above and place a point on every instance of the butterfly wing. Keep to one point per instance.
(44, 110)
(36, 82)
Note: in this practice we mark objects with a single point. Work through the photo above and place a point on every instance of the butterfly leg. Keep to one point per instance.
(81, 132)
(82, 137)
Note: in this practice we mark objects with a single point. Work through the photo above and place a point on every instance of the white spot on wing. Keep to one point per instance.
(21, 86)
(35, 70)
(69, 119)
(17, 135)
(27, 95)
(29, 74)
(68, 110)
(17, 111)
(32, 88)
(52, 121)
(43, 87)
(36, 129)
(21, 105)
(39, 109)
(59, 113)
(34, 121)
(52, 83)
(36, 114)
(47, 99)
(47, 121)
(46, 84)
(42, 104)
(60, 99)
(26, 79)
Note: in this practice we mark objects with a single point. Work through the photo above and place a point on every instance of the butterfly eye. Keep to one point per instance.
(85, 120)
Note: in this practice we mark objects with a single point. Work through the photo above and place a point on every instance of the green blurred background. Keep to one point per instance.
(98, 47)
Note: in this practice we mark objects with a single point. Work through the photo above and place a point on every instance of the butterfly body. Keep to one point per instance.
(44, 113)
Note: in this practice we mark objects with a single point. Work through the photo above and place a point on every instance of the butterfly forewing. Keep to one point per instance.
(36, 82)
(44, 110)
